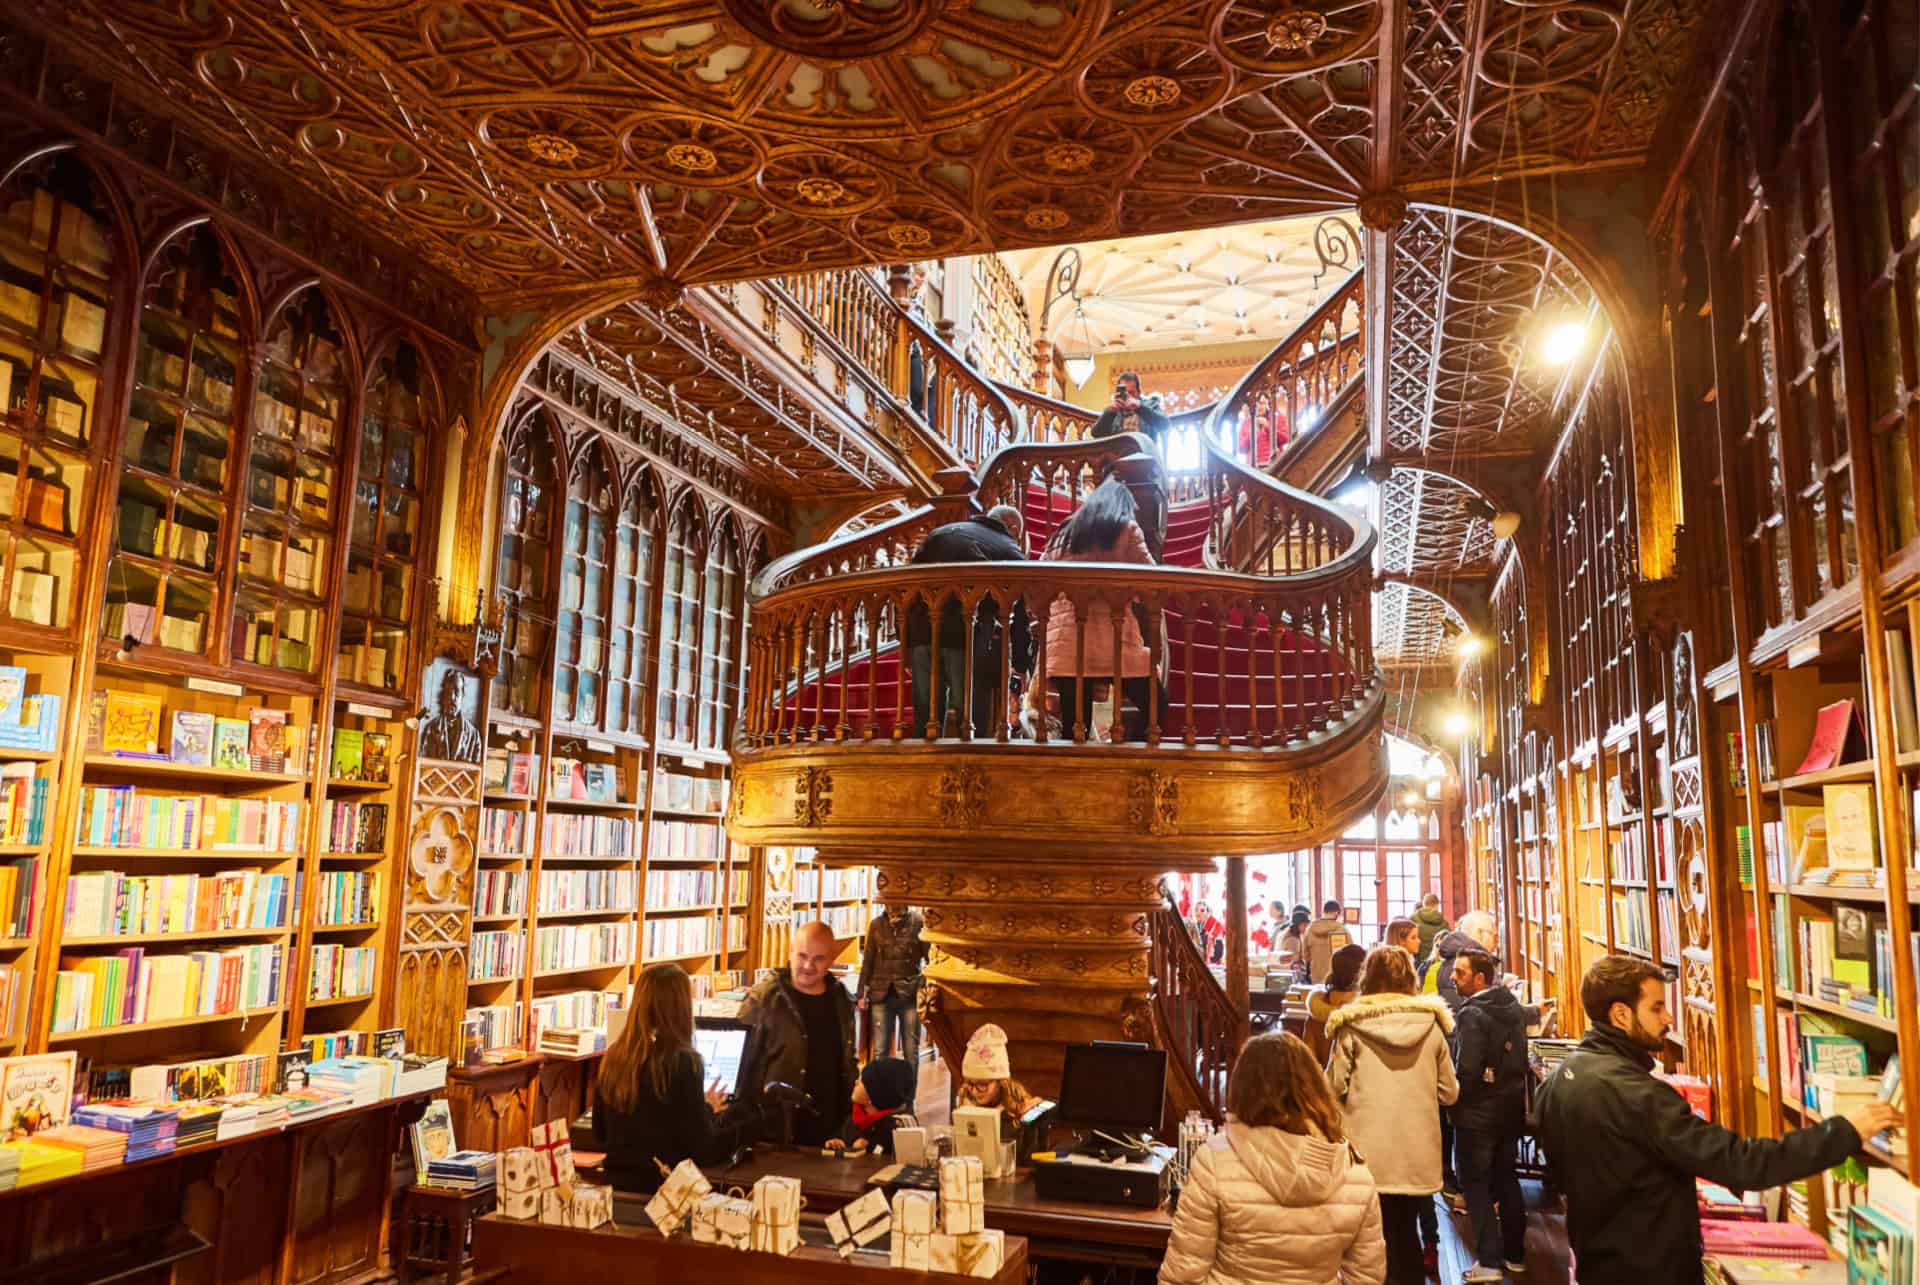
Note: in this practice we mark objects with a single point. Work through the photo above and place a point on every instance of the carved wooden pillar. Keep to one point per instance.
(900, 283)
(1042, 380)
(1237, 939)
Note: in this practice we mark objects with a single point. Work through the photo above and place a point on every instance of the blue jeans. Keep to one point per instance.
(884, 1014)
(1485, 1159)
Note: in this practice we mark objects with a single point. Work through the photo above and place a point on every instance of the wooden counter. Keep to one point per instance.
(1055, 1229)
(536, 1254)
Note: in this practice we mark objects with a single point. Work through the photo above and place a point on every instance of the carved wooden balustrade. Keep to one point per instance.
(1035, 855)
(960, 408)
(1193, 1019)
(1284, 394)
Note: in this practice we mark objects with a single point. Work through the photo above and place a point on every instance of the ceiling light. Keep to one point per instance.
(1458, 724)
(1080, 370)
(1505, 523)
(1469, 646)
(1564, 342)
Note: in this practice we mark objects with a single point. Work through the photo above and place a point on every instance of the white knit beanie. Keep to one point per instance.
(987, 1055)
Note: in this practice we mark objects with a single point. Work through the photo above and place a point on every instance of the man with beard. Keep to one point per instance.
(1625, 1148)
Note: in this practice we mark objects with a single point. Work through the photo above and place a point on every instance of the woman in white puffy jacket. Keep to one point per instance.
(1278, 1197)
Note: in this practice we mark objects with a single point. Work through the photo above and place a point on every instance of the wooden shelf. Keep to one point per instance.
(357, 787)
(28, 756)
(368, 926)
(353, 856)
(582, 968)
(505, 856)
(680, 910)
(684, 861)
(587, 805)
(501, 796)
(681, 959)
(162, 770)
(597, 860)
(1843, 774)
(190, 854)
(134, 1028)
(605, 912)
(22, 849)
(135, 939)
(17, 943)
(499, 919)
(340, 999)
(1877, 1022)
(688, 814)
(1873, 896)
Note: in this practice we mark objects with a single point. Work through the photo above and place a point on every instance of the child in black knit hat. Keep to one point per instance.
(882, 1093)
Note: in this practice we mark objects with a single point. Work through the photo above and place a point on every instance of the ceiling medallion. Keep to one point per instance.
(909, 236)
(1045, 218)
(1068, 158)
(692, 157)
(1296, 29)
(551, 148)
(815, 190)
(1151, 91)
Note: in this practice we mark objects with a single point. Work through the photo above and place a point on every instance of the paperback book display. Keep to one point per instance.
(342, 972)
(28, 720)
(134, 725)
(133, 986)
(609, 838)
(499, 892)
(505, 832)
(496, 956)
(126, 1114)
(108, 903)
(121, 816)
(566, 946)
(678, 938)
(569, 891)
(686, 841)
(24, 800)
(356, 827)
(360, 756)
(513, 774)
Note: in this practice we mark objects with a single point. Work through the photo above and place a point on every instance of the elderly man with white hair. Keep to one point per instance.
(998, 535)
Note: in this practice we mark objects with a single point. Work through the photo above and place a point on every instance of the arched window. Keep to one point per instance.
(522, 572)
(383, 541)
(680, 625)
(177, 462)
(293, 466)
(586, 575)
(632, 599)
(719, 669)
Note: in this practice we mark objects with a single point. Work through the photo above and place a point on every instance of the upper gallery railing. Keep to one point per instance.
(1263, 649)
(962, 409)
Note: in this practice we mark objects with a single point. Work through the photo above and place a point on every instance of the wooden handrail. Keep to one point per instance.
(1193, 1018)
(1306, 370)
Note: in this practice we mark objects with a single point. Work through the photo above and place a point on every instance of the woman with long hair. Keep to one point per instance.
(1277, 1197)
(1105, 528)
(1392, 1071)
(650, 1103)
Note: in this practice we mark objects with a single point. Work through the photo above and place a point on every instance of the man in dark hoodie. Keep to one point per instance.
(1491, 1062)
(1626, 1149)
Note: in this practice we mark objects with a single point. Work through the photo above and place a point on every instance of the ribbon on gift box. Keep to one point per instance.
(860, 1223)
(914, 1213)
(913, 1252)
(553, 1150)
(673, 1204)
(980, 1254)
(705, 1220)
(776, 1206)
(733, 1221)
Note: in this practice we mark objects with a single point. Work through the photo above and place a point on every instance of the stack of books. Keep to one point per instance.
(97, 1148)
(361, 1080)
(44, 1162)
(573, 1041)
(464, 1170)
(149, 1131)
(238, 1118)
(1722, 1202)
(197, 1122)
(9, 1168)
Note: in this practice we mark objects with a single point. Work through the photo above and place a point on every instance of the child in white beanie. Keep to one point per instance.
(987, 1079)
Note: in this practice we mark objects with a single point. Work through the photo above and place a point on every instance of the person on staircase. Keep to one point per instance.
(1431, 923)
(1280, 1196)
(1102, 529)
(1390, 1068)
(1129, 412)
(998, 535)
(889, 987)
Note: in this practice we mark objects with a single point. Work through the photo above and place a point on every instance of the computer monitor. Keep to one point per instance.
(1120, 1088)
(722, 1044)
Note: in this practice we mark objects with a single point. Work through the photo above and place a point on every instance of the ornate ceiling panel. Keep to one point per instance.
(563, 142)
(1428, 527)
(1411, 626)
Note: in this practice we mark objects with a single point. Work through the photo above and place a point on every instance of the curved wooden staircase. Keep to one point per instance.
(1037, 861)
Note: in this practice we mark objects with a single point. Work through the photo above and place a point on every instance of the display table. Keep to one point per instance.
(538, 1254)
(1054, 1229)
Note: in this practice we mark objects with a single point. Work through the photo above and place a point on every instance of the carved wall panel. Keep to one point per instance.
(431, 982)
(342, 1173)
(492, 1106)
(239, 1203)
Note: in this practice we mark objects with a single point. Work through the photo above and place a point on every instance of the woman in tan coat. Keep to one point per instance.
(1102, 529)
(1278, 1198)
(1391, 1071)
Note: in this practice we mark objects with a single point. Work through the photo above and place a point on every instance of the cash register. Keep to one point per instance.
(1112, 1095)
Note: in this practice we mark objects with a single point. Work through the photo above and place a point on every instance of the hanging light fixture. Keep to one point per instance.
(1080, 367)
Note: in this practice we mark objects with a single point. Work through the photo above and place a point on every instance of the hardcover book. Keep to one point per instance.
(132, 724)
(36, 1093)
(192, 741)
(1836, 739)
(13, 692)
(373, 756)
(290, 1070)
(349, 748)
(431, 1136)
(267, 740)
(230, 743)
(390, 1043)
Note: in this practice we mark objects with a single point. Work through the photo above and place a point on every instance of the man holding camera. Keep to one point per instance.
(1132, 413)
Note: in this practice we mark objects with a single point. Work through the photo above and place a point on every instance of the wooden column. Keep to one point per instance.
(1237, 939)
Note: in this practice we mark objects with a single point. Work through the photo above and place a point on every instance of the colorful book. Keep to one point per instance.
(230, 743)
(36, 1093)
(192, 740)
(132, 724)
(13, 692)
(375, 764)
(431, 1136)
(349, 747)
(267, 740)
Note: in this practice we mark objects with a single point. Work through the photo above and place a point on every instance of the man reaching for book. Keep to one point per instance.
(1626, 1149)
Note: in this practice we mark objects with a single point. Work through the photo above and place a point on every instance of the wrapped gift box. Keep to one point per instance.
(963, 1197)
(734, 1223)
(556, 1206)
(914, 1214)
(520, 1204)
(980, 1254)
(520, 1170)
(776, 1215)
(860, 1223)
(553, 1147)
(706, 1218)
(673, 1204)
(591, 1207)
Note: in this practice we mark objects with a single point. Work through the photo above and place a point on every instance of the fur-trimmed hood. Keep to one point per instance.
(1401, 1020)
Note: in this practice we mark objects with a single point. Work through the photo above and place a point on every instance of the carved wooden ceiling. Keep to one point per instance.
(521, 148)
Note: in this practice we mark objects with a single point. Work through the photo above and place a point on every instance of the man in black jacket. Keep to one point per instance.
(1490, 1058)
(993, 536)
(1626, 1149)
(1132, 413)
(802, 1020)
